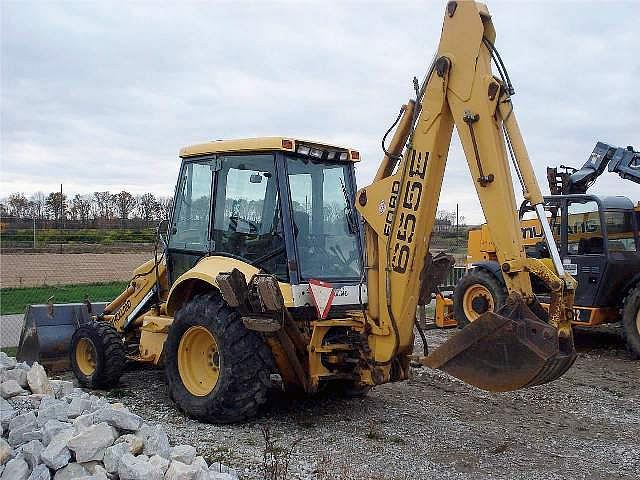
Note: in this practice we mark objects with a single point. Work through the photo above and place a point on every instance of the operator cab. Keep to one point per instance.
(596, 236)
(230, 201)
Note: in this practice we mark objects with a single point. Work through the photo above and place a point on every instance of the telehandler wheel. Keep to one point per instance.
(631, 321)
(97, 355)
(217, 370)
(477, 292)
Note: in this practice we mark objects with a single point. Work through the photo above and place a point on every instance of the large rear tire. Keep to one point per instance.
(217, 370)
(477, 292)
(97, 355)
(631, 321)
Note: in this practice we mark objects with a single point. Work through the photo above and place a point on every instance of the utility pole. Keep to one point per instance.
(457, 222)
(61, 210)
(34, 230)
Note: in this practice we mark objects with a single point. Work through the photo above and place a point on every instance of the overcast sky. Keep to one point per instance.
(101, 96)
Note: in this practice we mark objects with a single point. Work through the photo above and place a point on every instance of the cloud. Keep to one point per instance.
(103, 95)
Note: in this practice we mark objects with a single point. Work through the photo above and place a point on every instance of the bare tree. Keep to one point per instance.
(125, 203)
(166, 206)
(18, 205)
(80, 209)
(39, 209)
(56, 205)
(148, 206)
(103, 205)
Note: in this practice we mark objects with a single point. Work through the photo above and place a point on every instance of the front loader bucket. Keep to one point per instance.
(504, 351)
(47, 330)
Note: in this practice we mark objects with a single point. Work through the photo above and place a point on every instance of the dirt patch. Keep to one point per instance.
(583, 426)
(30, 270)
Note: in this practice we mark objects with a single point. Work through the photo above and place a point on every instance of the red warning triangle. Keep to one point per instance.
(322, 294)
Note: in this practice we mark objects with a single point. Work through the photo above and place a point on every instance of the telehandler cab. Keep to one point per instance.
(269, 268)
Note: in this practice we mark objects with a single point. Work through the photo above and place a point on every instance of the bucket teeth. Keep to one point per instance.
(506, 350)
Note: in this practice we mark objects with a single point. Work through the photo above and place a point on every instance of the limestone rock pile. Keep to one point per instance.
(51, 430)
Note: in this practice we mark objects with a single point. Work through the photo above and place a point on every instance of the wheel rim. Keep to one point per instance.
(198, 361)
(476, 301)
(86, 356)
(638, 320)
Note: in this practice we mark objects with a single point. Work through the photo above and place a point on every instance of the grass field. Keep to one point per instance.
(14, 300)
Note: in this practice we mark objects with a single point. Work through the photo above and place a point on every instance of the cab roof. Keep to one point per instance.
(260, 144)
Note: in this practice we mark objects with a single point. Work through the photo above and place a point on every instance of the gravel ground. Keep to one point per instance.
(585, 425)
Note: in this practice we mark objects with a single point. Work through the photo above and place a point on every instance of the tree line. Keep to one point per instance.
(86, 209)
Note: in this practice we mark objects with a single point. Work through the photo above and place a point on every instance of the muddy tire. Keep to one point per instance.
(477, 292)
(97, 355)
(631, 321)
(217, 370)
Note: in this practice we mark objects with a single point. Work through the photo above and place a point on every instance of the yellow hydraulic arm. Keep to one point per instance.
(504, 351)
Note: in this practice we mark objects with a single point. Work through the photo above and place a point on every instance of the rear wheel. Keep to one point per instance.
(477, 292)
(97, 355)
(631, 321)
(217, 370)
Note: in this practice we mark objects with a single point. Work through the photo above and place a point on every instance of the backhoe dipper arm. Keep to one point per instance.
(399, 208)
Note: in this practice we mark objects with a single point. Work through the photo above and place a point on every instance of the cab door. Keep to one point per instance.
(586, 253)
(191, 219)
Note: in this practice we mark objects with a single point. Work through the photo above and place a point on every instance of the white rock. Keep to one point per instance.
(16, 469)
(6, 361)
(52, 409)
(41, 472)
(36, 399)
(57, 455)
(112, 456)
(120, 418)
(78, 406)
(5, 451)
(181, 471)
(161, 462)
(73, 470)
(31, 452)
(91, 443)
(200, 462)
(17, 374)
(7, 412)
(183, 453)
(23, 428)
(138, 468)
(155, 440)
(51, 428)
(11, 388)
(38, 380)
(83, 422)
(23, 420)
(61, 388)
(136, 444)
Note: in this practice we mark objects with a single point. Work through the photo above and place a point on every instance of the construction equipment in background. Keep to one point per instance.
(269, 269)
(623, 161)
(599, 244)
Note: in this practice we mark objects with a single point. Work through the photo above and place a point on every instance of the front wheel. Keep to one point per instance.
(477, 292)
(97, 355)
(631, 321)
(217, 370)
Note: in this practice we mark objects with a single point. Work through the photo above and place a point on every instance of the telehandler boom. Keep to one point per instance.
(271, 271)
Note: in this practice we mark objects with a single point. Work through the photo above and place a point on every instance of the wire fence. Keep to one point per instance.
(39, 276)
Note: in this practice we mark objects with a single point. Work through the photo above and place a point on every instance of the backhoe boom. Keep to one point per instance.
(399, 213)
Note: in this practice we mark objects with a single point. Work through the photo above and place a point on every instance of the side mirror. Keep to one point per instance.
(255, 178)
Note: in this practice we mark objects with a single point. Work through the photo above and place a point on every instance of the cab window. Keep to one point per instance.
(247, 221)
(584, 230)
(190, 224)
(620, 236)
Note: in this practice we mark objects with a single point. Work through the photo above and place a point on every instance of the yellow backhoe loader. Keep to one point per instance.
(275, 264)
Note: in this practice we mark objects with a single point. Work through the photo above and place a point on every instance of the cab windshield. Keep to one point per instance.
(325, 229)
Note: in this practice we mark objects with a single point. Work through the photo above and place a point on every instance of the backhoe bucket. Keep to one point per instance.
(504, 351)
(47, 331)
